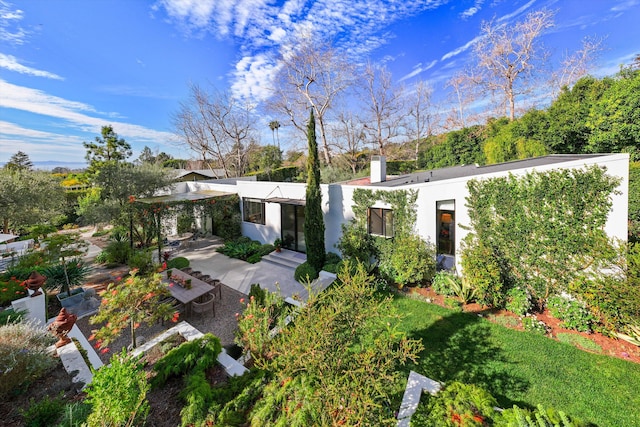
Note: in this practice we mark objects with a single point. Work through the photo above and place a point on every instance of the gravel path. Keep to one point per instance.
(223, 325)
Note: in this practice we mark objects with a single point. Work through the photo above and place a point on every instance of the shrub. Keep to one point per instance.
(313, 382)
(197, 395)
(23, 356)
(519, 301)
(118, 251)
(19, 273)
(614, 300)
(261, 313)
(356, 243)
(102, 257)
(305, 273)
(32, 260)
(266, 249)
(331, 268)
(253, 259)
(10, 290)
(441, 283)
(459, 404)
(532, 324)
(178, 263)
(10, 316)
(141, 260)
(118, 393)
(44, 412)
(481, 267)
(75, 415)
(76, 272)
(237, 397)
(101, 233)
(199, 354)
(540, 417)
(332, 258)
(574, 314)
(257, 294)
(241, 248)
(408, 260)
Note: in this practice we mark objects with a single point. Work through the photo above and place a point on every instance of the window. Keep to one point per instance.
(381, 222)
(446, 226)
(253, 211)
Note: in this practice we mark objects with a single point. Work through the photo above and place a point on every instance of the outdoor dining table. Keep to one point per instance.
(184, 295)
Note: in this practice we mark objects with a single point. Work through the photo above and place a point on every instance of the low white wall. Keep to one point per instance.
(34, 306)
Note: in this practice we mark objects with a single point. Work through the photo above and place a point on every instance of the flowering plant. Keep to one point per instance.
(180, 281)
(11, 290)
(131, 302)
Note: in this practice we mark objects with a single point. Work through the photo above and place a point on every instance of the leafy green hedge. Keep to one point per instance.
(543, 227)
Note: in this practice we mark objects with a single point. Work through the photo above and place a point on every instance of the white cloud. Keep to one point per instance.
(253, 78)
(460, 49)
(75, 115)
(11, 63)
(264, 30)
(516, 12)
(625, 5)
(419, 69)
(38, 144)
(468, 13)
(10, 30)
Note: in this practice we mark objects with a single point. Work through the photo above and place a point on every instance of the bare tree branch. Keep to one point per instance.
(508, 55)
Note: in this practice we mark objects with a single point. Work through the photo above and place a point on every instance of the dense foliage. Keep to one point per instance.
(547, 228)
(23, 356)
(118, 393)
(313, 216)
(337, 363)
(28, 198)
(406, 259)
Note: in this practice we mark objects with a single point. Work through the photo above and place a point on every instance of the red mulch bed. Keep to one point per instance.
(610, 346)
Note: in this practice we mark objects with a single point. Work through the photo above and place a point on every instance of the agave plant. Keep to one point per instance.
(65, 276)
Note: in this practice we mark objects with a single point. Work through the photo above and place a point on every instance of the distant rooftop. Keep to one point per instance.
(185, 197)
(473, 170)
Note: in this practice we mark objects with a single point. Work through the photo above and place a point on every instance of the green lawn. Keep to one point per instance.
(521, 367)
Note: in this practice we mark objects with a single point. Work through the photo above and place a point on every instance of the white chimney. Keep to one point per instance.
(378, 169)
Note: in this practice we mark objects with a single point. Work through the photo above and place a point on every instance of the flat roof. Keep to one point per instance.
(188, 196)
(473, 170)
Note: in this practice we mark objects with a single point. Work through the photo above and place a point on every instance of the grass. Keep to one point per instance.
(522, 368)
(579, 341)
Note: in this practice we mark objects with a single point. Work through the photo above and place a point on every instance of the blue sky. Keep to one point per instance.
(68, 67)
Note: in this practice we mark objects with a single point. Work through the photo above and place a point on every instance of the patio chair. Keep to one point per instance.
(217, 286)
(187, 270)
(203, 307)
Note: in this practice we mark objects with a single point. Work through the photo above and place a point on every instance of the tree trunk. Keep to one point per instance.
(133, 334)
(325, 144)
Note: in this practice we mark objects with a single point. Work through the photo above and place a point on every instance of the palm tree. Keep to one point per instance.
(274, 125)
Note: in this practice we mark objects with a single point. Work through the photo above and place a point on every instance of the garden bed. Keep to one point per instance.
(600, 344)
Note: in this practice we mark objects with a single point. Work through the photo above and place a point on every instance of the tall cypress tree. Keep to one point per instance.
(313, 219)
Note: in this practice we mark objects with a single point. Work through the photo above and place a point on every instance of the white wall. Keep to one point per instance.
(337, 200)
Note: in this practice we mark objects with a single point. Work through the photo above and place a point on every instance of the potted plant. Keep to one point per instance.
(187, 284)
(68, 270)
(278, 244)
(67, 277)
(169, 271)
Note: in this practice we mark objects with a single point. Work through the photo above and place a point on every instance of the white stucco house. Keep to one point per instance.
(272, 210)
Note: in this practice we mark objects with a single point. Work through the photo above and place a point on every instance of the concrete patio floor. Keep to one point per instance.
(240, 275)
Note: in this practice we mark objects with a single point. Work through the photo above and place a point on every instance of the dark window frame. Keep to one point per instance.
(250, 211)
(381, 226)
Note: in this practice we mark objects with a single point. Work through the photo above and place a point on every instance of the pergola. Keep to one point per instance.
(158, 204)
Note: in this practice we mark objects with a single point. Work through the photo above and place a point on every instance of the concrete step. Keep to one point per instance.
(285, 258)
